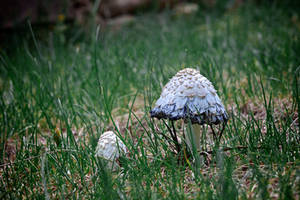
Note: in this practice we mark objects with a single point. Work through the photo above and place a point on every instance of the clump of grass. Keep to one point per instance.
(74, 91)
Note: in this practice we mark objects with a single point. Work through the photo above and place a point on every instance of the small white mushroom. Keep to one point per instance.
(110, 147)
(192, 97)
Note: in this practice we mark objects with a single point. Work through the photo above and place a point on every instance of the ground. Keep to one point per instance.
(59, 94)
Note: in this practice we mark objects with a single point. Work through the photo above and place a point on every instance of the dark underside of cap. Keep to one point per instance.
(170, 112)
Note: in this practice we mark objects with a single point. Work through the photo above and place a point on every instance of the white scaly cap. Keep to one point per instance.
(110, 147)
(190, 96)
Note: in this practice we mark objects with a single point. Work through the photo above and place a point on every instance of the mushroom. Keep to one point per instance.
(191, 97)
(110, 147)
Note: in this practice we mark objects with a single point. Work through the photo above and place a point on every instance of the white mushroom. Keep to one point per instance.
(192, 97)
(110, 147)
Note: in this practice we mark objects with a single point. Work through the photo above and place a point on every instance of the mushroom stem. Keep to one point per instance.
(194, 137)
(196, 130)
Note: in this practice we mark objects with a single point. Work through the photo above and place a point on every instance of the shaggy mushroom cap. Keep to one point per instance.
(190, 96)
(110, 146)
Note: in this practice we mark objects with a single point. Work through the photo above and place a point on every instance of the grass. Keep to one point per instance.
(59, 94)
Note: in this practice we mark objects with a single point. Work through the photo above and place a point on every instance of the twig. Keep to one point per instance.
(227, 149)
(169, 129)
(213, 131)
(174, 137)
(223, 128)
(167, 138)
